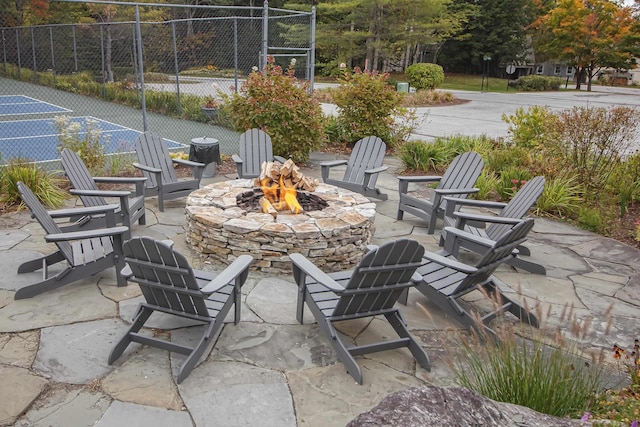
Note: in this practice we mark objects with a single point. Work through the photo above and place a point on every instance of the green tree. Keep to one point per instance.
(384, 35)
(495, 29)
(589, 35)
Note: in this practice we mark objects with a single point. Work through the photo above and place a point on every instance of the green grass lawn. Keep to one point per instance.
(474, 82)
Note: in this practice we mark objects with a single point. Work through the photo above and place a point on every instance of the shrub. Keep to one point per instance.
(43, 184)
(425, 75)
(504, 156)
(550, 379)
(282, 106)
(367, 106)
(530, 128)
(590, 219)
(427, 97)
(83, 140)
(535, 83)
(624, 181)
(592, 140)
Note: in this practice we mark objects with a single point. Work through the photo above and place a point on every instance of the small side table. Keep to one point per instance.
(206, 150)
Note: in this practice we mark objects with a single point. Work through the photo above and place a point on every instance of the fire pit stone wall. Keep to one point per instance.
(334, 238)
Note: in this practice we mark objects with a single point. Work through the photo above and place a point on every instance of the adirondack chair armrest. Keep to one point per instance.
(279, 159)
(325, 166)
(228, 275)
(376, 170)
(103, 193)
(403, 181)
(476, 203)
(456, 233)
(237, 159)
(119, 179)
(188, 163)
(87, 234)
(463, 217)
(448, 262)
(332, 163)
(93, 210)
(301, 262)
(445, 191)
(416, 278)
(137, 180)
(146, 168)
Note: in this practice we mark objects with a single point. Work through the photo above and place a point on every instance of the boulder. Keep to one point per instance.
(437, 406)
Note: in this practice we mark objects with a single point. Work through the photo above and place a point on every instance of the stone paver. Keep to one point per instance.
(79, 408)
(269, 370)
(19, 388)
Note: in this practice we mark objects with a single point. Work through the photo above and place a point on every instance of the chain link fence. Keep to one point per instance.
(133, 73)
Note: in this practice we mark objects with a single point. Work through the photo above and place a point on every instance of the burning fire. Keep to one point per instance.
(278, 197)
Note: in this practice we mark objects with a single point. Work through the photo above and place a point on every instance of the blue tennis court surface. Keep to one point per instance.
(37, 140)
(11, 105)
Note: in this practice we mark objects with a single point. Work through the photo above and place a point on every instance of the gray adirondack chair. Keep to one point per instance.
(85, 252)
(84, 185)
(511, 213)
(458, 179)
(445, 279)
(171, 286)
(255, 149)
(363, 167)
(157, 166)
(371, 289)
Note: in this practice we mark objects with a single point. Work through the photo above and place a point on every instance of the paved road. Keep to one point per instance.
(483, 113)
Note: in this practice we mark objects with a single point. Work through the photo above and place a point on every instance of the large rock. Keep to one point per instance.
(436, 406)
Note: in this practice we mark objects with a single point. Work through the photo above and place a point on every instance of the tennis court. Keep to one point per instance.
(37, 139)
(13, 105)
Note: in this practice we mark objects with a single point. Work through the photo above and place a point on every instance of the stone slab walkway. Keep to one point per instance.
(268, 370)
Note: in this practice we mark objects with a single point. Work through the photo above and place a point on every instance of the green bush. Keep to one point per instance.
(425, 75)
(536, 83)
(44, 185)
(504, 156)
(530, 128)
(367, 106)
(624, 182)
(282, 106)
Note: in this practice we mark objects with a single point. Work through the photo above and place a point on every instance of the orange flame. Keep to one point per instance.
(280, 197)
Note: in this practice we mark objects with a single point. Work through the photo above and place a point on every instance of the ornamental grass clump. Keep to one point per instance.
(45, 185)
(551, 376)
(276, 102)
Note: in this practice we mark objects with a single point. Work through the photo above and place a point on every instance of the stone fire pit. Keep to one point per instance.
(334, 238)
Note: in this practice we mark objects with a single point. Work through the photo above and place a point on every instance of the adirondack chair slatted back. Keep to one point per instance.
(502, 248)
(380, 278)
(164, 276)
(255, 149)
(368, 153)
(80, 177)
(45, 220)
(463, 172)
(152, 151)
(518, 206)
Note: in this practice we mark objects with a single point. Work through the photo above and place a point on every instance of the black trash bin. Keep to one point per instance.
(206, 150)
